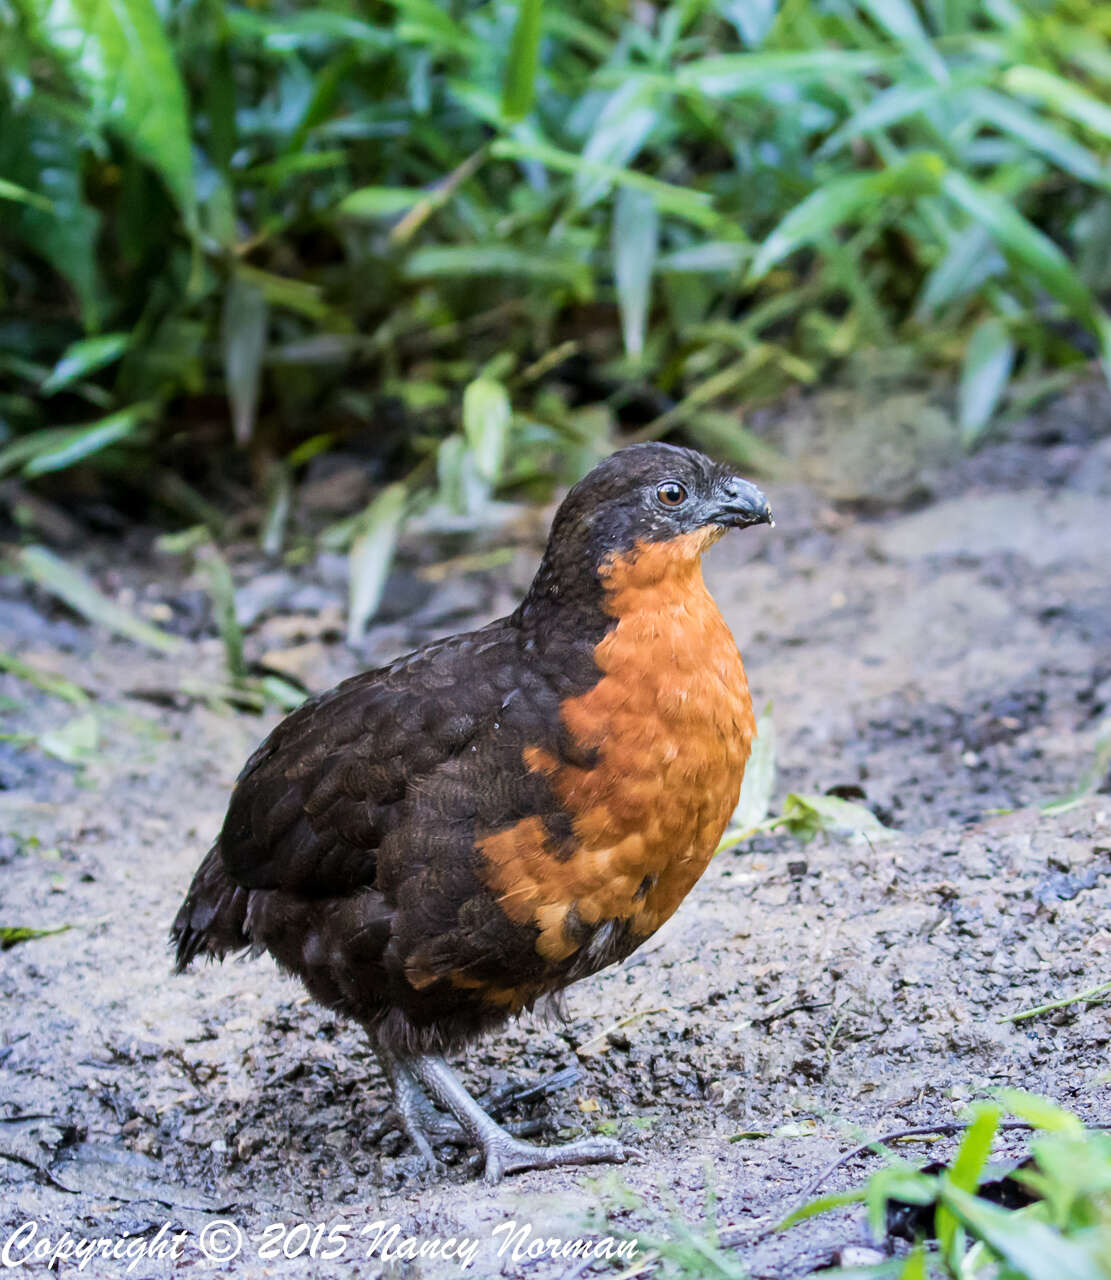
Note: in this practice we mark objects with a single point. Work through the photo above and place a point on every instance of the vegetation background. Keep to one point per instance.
(479, 243)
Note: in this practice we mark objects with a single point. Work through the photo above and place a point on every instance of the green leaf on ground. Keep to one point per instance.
(805, 815)
(75, 742)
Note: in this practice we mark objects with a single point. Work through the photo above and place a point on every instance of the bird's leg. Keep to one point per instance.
(412, 1111)
(414, 1114)
(503, 1152)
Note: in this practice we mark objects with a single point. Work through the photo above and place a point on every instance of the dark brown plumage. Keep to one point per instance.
(436, 845)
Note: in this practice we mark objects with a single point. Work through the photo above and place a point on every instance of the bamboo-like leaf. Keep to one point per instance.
(1021, 241)
(379, 202)
(984, 376)
(310, 29)
(76, 444)
(890, 106)
(1062, 95)
(752, 19)
(523, 60)
(730, 75)
(487, 414)
(1034, 1250)
(694, 206)
(970, 260)
(636, 234)
(1028, 128)
(490, 259)
(117, 53)
(78, 591)
(1040, 1112)
(844, 200)
(623, 126)
(84, 357)
(371, 556)
(245, 320)
(43, 151)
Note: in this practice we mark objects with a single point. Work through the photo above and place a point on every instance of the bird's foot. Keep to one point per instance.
(415, 1116)
(505, 1154)
(502, 1152)
(439, 1129)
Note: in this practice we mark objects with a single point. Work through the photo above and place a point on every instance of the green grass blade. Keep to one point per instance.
(1029, 129)
(964, 1174)
(524, 57)
(379, 202)
(900, 20)
(78, 591)
(694, 206)
(476, 261)
(47, 681)
(1063, 96)
(1034, 1250)
(731, 75)
(221, 591)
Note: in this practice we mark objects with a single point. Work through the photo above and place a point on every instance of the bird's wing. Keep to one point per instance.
(316, 799)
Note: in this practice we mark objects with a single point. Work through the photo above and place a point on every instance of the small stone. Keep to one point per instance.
(248, 1142)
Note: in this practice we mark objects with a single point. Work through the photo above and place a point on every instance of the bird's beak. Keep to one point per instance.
(741, 504)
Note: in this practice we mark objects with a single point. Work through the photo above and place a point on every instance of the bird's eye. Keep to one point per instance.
(671, 493)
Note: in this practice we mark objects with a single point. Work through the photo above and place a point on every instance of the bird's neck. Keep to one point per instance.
(571, 607)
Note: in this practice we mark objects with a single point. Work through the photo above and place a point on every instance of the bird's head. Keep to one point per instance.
(647, 498)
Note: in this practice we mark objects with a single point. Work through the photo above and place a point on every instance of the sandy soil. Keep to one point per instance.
(949, 664)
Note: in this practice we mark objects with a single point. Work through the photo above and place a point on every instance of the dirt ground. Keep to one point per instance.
(948, 661)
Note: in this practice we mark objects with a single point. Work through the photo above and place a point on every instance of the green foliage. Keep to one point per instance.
(1065, 1234)
(312, 210)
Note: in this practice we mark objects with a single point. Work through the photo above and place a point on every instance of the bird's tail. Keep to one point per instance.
(212, 917)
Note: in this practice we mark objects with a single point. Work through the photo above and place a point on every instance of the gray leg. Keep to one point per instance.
(412, 1111)
(503, 1152)
(415, 1116)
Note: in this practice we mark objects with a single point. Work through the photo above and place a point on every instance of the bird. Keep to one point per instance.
(441, 844)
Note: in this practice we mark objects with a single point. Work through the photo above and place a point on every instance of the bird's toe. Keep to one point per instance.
(507, 1155)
